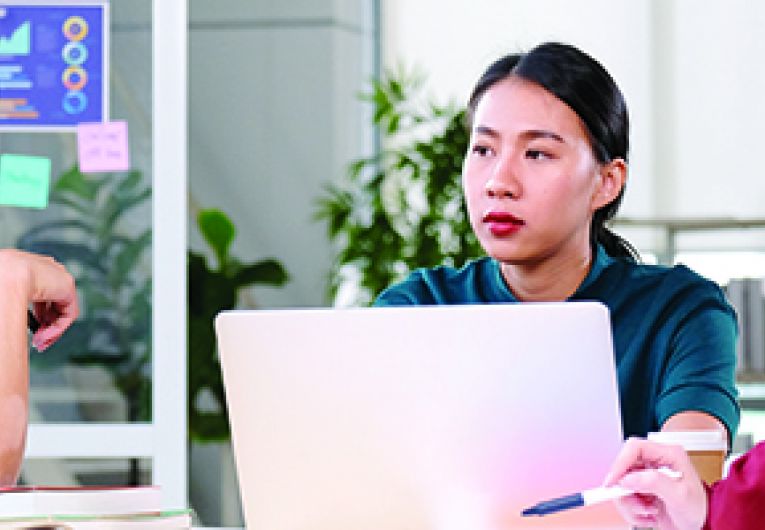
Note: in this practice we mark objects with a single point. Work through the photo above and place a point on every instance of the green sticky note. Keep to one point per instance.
(24, 181)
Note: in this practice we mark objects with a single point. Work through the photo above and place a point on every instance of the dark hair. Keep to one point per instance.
(586, 87)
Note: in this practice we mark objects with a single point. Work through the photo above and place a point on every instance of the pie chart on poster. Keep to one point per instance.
(74, 53)
(75, 28)
(74, 78)
(74, 102)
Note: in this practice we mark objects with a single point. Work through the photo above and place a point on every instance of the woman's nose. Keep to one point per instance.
(503, 184)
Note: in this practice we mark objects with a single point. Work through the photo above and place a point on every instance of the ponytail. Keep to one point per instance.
(614, 245)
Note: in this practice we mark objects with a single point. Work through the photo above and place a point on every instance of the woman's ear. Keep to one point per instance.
(611, 179)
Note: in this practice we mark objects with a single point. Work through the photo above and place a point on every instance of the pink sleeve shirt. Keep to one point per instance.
(738, 501)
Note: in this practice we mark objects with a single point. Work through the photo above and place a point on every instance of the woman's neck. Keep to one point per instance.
(554, 279)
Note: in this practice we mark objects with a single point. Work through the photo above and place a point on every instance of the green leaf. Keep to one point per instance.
(132, 180)
(208, 427)
(335, 207)
(393, 123)
(74, 203)
(120, 205)
(396, 89)
(379, 95)
(218, 231)
(69, 225)
(357, 166)
(126, 260)
(380, 112)
(97, 299)
(74, 182)
(267, 271)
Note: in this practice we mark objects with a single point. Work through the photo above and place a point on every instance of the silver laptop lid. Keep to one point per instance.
(442, 418)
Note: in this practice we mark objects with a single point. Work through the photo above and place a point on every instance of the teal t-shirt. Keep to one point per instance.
(674, 332)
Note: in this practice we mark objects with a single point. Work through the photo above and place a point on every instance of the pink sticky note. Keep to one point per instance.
(103, 146)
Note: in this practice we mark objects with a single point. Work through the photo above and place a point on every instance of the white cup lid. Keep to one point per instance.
(692, 440)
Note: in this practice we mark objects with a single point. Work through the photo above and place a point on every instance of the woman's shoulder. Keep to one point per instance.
(679, 274)
(671, 282)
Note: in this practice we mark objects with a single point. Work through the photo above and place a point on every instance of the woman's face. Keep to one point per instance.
(530, 178)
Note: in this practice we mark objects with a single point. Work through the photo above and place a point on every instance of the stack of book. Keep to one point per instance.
(82, 508)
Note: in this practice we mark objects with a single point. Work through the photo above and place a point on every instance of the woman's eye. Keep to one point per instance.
(536, 154)
(481, 150)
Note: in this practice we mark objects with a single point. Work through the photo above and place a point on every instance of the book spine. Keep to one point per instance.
(735, 294)
(756, 322)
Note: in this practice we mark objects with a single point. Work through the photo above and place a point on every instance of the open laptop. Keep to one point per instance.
(420, 418)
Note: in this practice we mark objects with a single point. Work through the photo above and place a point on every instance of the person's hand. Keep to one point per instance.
(660, 502)
(54, 299)
(46, 284)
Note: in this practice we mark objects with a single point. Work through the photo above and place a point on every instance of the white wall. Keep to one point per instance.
(691, 73)
(274, 115)
(719, 91)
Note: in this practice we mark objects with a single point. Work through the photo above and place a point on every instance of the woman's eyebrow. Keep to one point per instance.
(485, 129)
(531, 134)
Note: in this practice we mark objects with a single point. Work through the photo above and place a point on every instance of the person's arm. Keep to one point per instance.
(698, 390)
(661, 502)
(26, 279)
(694, 421)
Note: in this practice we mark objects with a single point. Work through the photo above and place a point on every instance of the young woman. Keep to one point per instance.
(545, 169)
(736, 502)
(42, 282)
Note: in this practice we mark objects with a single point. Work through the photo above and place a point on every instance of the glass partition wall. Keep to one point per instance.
(94, 412)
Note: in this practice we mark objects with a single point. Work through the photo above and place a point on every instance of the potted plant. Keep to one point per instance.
(212, 290)
(402, 208)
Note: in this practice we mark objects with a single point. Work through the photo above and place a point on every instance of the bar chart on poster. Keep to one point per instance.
(53, 64)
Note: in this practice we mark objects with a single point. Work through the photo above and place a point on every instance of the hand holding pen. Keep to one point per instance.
(661, 502)
(653, 485)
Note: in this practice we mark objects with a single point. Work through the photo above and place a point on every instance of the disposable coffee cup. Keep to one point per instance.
(706, 449)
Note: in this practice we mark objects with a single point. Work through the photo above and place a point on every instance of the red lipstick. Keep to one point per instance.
(502, 224)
